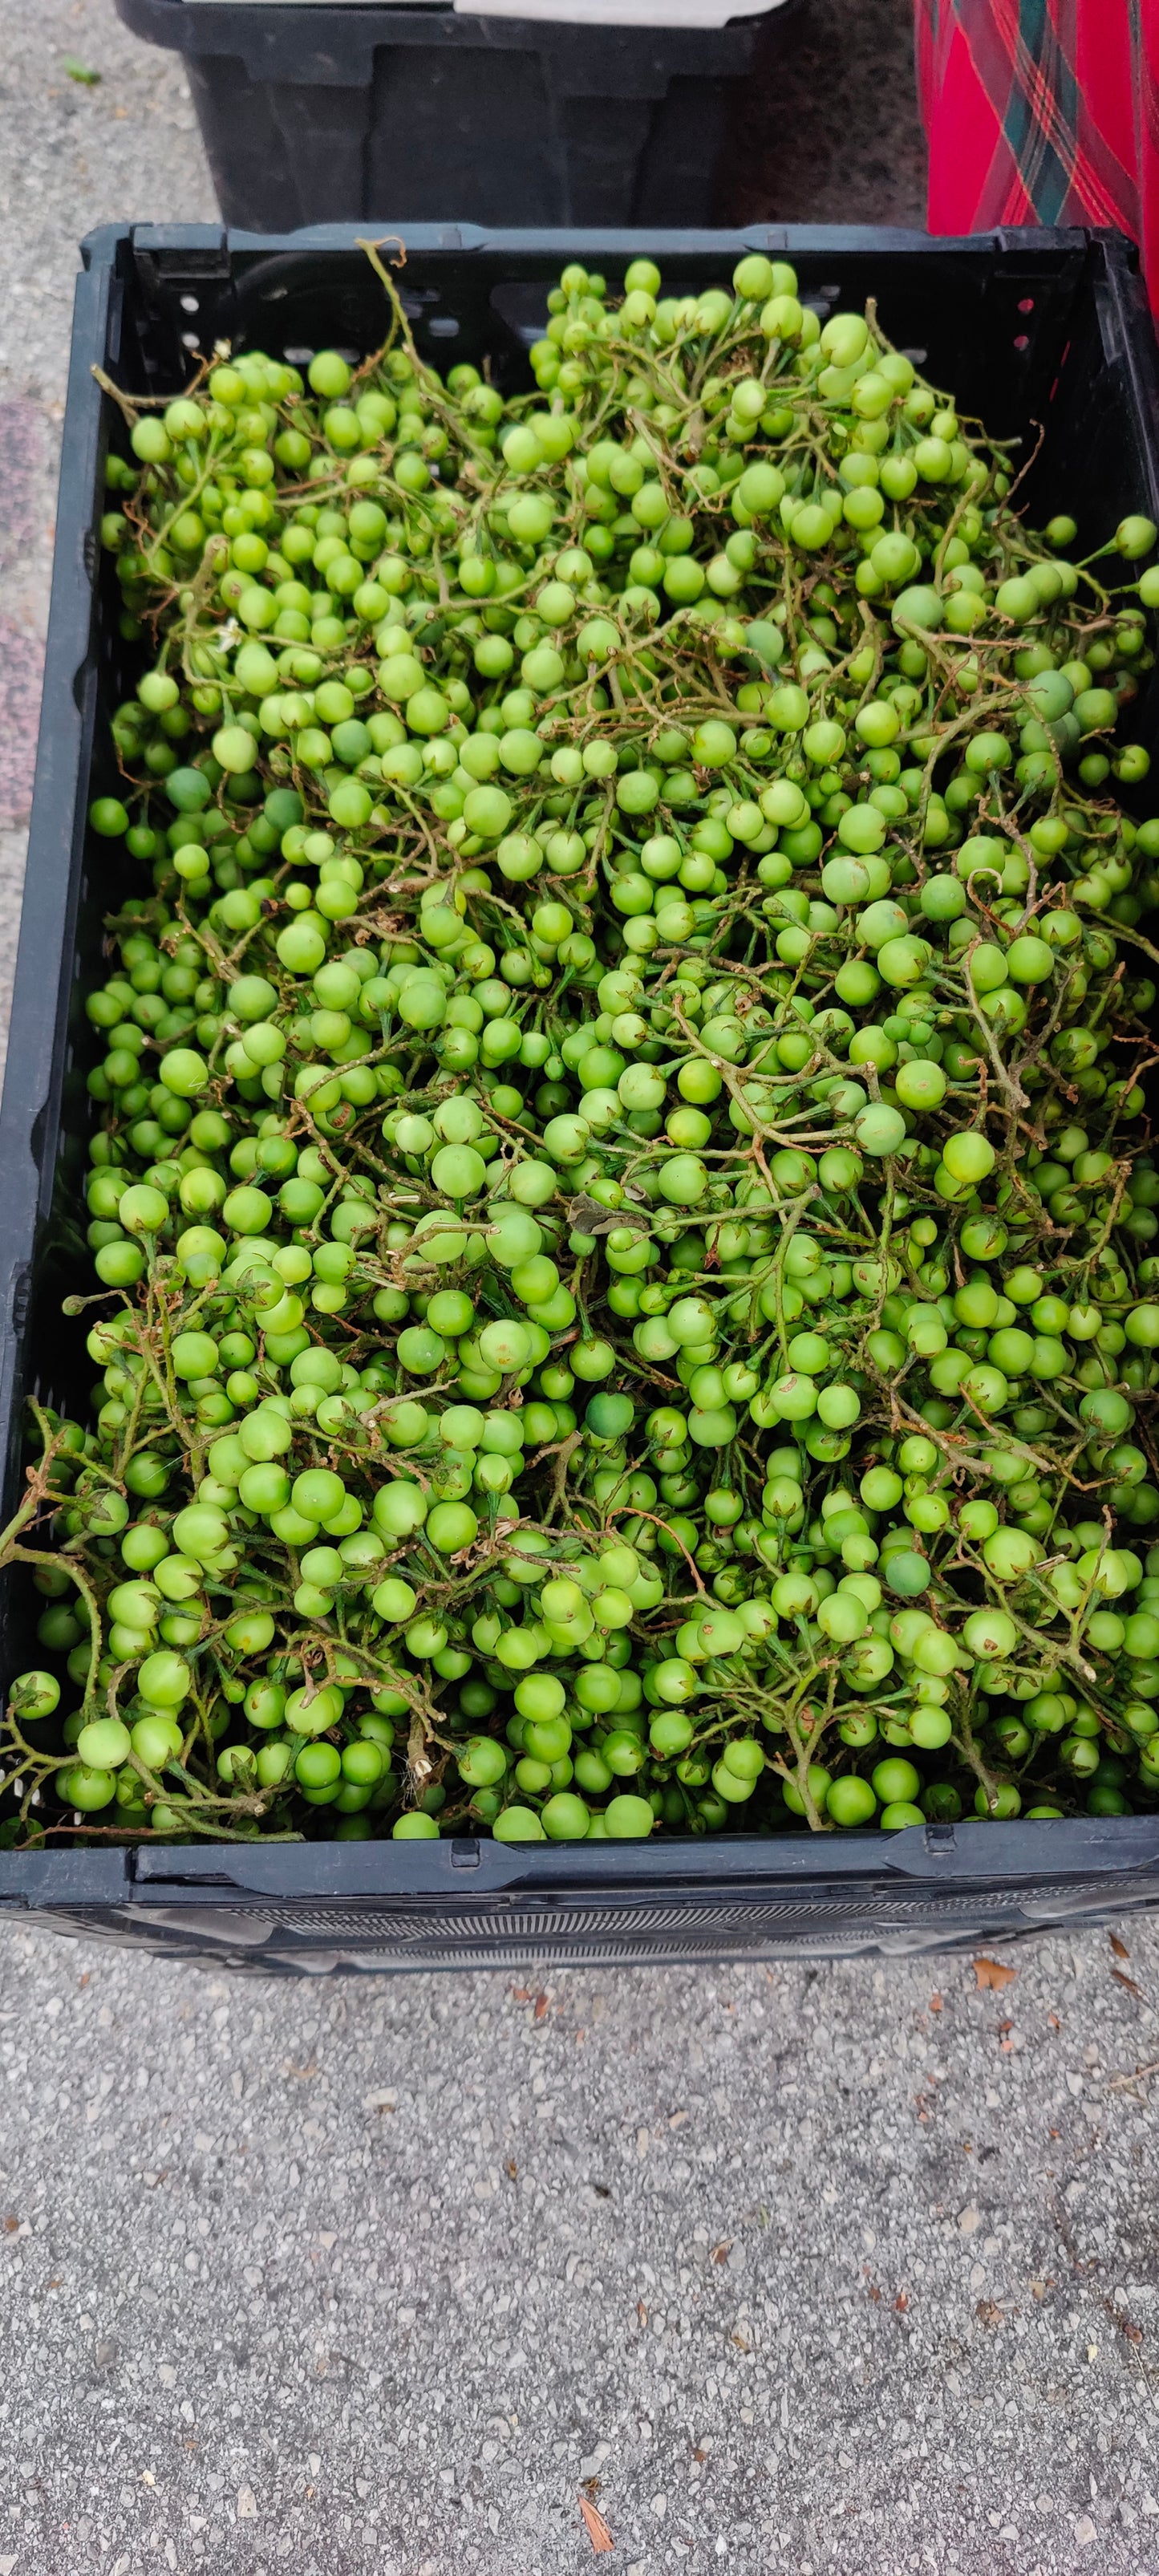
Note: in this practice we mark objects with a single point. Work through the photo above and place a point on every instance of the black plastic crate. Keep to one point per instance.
(1026, 327)
(312, 114)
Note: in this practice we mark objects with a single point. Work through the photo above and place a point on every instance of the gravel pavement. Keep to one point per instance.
(848, 2267)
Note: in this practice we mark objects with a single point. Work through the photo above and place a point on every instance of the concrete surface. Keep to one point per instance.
(829, 132)
(844, 2267)
(850, 2268)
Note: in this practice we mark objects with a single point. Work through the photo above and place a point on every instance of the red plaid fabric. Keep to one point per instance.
(1042, 112)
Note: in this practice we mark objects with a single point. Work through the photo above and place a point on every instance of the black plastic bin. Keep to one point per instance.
(1049, 327)
(318, 115)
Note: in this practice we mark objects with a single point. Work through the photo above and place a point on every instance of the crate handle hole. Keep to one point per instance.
(522, 304)
(443, 326)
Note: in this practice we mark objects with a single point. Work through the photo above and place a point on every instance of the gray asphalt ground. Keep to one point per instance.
(842, 2267)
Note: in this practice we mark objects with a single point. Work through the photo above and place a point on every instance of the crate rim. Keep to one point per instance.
(98, 247)
(475, 1870)
(970, 1854)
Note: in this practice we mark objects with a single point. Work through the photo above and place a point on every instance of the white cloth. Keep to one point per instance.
(661, 14)
(674, 14)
